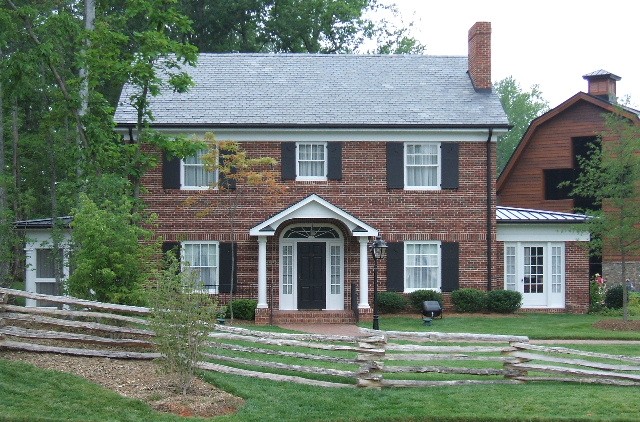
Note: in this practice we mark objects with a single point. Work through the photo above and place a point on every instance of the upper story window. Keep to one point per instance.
(194, 175)
(311, 161)
(422, 166)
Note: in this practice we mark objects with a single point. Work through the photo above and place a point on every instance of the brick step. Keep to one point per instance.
(313, 317)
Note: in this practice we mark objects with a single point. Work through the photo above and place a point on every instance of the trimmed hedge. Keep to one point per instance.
(391, 302)
(469, 300)
(416, 298)
(613, 297)
(244, 309)
(503, 301)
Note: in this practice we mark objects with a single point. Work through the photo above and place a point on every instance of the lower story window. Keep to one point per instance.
(202, 258)
(422, 266)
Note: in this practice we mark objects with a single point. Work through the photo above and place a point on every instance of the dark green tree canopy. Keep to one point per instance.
(521, 108)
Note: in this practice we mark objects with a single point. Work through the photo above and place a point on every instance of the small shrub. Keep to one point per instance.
(503, 301)
(416, 298)
(391, 302)
(596, 296)
(613, 297)
(469, 300)
(244, 309)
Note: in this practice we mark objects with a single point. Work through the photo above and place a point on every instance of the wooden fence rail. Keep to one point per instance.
(374, 359)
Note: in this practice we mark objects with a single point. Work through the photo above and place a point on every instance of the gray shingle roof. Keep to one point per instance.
(324, 90)
(524, 215)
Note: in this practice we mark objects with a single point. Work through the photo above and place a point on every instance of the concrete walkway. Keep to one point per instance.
(354, 330)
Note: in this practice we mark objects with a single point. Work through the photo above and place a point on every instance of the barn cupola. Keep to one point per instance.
(602, 84)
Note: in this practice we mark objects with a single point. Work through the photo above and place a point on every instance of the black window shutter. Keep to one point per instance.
(226, 182)
(395, 165)
(395, 266)
(173, 247)
(334, 166)
(450, 165)
(227, 251)
(170, 172)
(450, 257)
(288, 160)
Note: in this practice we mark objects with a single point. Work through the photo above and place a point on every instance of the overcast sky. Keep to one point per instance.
(551, 43)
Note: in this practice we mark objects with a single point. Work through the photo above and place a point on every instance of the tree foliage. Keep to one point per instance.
(111, 252)
(181, 318)
(611, 176)
(521, 108)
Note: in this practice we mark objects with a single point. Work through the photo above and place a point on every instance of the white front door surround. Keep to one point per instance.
(311, 210)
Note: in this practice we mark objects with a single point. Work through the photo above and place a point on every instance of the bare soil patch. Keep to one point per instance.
(140, 380)
(618, 325)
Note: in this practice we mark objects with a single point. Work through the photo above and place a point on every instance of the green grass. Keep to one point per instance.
(535, 326)
(30, 394)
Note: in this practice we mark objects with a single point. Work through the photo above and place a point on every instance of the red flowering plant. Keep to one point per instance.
(597, 289)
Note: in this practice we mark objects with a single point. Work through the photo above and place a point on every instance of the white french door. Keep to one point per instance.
(537, 271)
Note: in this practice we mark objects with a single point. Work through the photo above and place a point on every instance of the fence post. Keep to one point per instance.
(4, 298)
(371, 355)
(515, 372)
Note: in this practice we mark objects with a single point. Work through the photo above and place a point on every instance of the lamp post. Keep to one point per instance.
(378, 251)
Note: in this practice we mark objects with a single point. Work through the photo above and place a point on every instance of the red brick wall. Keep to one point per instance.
(447, 215)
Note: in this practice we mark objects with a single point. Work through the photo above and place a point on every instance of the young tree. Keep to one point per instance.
(237, 172)
(181, 318)
(611, 176)
(521, 108)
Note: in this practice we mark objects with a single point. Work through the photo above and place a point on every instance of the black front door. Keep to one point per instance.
(312, 275)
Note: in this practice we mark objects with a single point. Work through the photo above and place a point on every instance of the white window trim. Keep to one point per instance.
(217, 263)
(439, 167)
(422, 242)
(326, 160)
(185, 187)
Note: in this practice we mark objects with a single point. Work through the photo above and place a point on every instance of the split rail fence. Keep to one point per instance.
(373, 359)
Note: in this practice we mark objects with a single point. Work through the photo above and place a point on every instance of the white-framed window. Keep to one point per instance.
(311, 161)
(287, 269)
(202, 258)
(194, 175)
(49, 263)
(557, 266)
(510, 274)
(422, 266)
(422, 165)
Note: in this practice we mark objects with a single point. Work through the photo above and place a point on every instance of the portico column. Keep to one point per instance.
(364, 274)
(262, 272)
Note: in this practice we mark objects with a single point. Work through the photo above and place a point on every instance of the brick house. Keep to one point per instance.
(548, 151)
(401, 146)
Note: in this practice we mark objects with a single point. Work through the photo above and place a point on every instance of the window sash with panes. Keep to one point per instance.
(312, 161)
(202, 258)
(422, 165)
(194, 173)
(48, 264)
(422, 266)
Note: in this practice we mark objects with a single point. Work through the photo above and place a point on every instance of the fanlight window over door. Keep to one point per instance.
(311, 232)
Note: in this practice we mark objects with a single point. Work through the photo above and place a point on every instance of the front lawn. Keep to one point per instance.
(535, 326)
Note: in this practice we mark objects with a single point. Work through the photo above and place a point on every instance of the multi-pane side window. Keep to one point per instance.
(336, 269)
(422, 266)
(312, 160)
(194, 173)
(287, 270)
(48, 263)
(421, 166)
(203, 259)
(510, 267)
(556, 269)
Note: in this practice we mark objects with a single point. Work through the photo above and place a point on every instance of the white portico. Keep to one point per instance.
(311, 255)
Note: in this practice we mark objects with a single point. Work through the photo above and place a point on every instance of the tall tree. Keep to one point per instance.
(296, 26)
(521, 108)
(611, 176)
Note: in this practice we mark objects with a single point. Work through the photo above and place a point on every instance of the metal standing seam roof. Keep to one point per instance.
(524, 215)
(43, 223)
(324, 90)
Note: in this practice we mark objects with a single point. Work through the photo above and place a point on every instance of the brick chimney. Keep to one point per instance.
(480, 56)
(602, 84)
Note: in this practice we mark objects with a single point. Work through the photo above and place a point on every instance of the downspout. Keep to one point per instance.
(489, 204)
